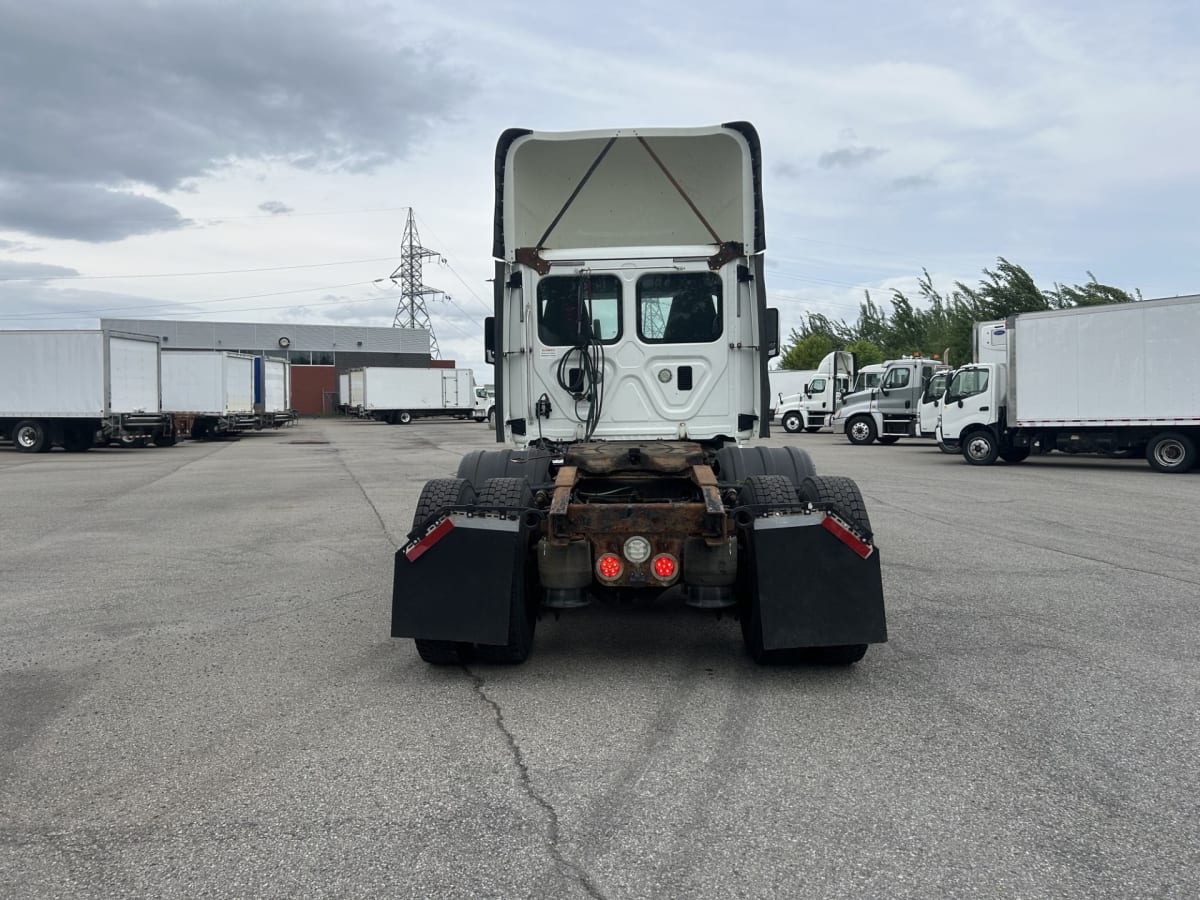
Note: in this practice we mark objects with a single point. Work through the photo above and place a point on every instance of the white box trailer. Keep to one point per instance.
(272, 391)
(210, 392)
(344, 392)
(402, 394)
(1116, 379)
(72, 388)
(355, 379)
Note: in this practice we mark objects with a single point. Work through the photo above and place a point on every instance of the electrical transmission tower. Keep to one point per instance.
(411, 311)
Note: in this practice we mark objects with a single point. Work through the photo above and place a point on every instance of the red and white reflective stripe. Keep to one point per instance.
(846, 536)
(414, 550)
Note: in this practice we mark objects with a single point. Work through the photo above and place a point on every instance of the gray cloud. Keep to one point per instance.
(16, 270)
(275, 207)
(849, 157)
(786, 169)
(912, 182)
(80, 211)
(126, 92)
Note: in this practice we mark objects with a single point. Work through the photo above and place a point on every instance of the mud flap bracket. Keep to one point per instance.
(814, 589)
(459, 585)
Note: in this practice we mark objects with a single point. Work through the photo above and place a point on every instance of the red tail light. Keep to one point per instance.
(608, 567)
(664, 566)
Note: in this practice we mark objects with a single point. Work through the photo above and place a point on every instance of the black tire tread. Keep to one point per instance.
(843, 494)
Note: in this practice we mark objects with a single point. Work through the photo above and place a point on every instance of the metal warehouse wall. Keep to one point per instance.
(187, 335)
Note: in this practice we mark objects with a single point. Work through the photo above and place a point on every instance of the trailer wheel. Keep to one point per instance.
(404, 417)
(1171, 452)
(78, 438)
(1015, 454)
(842, 494)
(792, 422)
(860, 430)
(735, 465)
(888, 438)
(979, 448)
(30, 437)
(525, 600)
(436, 495)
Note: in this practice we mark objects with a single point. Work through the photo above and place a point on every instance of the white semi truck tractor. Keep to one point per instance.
(1118, 379)
(630, 341)
(904, 403)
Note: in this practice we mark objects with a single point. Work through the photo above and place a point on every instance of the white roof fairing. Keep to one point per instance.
(640, 192)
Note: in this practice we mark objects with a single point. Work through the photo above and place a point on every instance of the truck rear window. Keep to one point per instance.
(679, 308)
(572, 309)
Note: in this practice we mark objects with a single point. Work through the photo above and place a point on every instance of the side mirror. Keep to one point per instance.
(770, 339)
(489, 340)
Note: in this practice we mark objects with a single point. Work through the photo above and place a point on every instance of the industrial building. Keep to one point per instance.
(317, 352)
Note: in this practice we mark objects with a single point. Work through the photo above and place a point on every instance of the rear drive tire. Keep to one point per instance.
(437, 495)
(861, 430)
(29, 436)
(843, 494)
(845, 655)
(1171, 452)
(526, 597)
(979, 448)
(735, 465)
(792, 422)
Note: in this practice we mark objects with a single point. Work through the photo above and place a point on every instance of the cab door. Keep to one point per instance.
(931, 402)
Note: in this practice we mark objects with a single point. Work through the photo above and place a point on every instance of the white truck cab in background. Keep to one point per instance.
(810, 409)
(904, 403)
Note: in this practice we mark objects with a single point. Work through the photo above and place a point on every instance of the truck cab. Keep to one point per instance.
(485, 404)
(630, 342)
(811, 408)
(904, 404)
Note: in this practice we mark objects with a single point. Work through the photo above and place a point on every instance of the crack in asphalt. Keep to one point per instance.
(553, 828)
(371, 503)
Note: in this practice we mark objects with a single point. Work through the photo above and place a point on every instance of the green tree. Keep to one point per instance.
(805, 351)
(866, 353)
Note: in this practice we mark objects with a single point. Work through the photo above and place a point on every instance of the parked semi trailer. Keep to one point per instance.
(77, 388)
(210, 393)
(630, 341)
(272, 392)
(399, 395)
(1117, 379)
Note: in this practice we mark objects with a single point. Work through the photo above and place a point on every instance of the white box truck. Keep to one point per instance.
(399, 395)
(209, 392)
(1118, 379)
(74, 388)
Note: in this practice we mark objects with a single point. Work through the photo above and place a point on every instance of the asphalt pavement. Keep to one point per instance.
(199, 696)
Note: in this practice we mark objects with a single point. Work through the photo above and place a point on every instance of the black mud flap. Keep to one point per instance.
(456, 582)
(818, 584)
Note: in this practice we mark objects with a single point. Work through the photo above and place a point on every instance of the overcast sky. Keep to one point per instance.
(152, 152)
